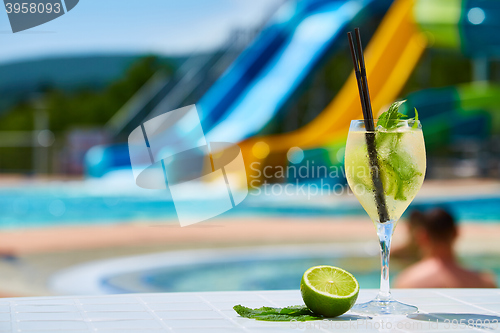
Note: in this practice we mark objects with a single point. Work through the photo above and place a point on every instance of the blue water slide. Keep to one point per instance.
(102, 159)
(266, 75)
(257, 58)
(306, 46)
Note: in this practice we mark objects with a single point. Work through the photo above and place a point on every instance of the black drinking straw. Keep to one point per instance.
(364, 96)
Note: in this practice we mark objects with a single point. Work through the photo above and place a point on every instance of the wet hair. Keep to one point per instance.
(438, 224)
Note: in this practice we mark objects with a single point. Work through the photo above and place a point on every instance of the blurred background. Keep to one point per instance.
(274, 76)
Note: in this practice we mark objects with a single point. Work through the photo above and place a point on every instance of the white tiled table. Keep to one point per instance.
(213, 313)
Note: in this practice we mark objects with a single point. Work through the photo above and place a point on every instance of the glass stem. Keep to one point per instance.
(384, 232)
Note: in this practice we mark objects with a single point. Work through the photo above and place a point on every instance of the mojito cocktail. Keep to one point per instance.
(393, 157)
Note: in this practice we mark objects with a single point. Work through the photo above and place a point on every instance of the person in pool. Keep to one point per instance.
(434, 234)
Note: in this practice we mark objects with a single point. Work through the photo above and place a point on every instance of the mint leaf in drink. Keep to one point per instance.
(266, 313)
(397, 170)
(389, 119)
(398, 173)
(415, 124)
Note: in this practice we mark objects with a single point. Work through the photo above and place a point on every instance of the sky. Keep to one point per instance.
(169, 27)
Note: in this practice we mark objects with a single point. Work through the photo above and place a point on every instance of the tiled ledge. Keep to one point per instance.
(211, 312)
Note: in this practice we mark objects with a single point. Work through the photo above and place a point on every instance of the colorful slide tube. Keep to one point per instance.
(469, 110)
(468, 26)
(391, 56)
(265, 76)
(449, 113)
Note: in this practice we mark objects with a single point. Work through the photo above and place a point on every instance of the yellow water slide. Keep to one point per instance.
(390, 57)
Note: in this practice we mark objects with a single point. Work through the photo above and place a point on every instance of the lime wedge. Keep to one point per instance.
(329, 291)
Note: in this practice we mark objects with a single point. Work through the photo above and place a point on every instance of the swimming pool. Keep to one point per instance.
(260, 268)
(96, 203)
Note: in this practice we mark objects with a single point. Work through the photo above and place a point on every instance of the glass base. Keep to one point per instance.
(378, 307)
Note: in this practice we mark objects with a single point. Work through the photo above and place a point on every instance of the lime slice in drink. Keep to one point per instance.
(329, 291)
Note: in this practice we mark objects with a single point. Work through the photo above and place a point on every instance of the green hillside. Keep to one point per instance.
(19, 80)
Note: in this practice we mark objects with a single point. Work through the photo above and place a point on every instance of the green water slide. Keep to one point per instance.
(469, 26)
(466, 111)
(469, 110)
(472, 28)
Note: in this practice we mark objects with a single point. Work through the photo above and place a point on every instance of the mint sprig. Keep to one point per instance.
(390, 118)
(266, 313)
(397, 168)
(415, 124)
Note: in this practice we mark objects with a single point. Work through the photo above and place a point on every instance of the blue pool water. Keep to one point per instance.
(277, 274)
(256, 268)
(38, 207)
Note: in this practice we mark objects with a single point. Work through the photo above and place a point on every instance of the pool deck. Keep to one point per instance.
(41, 252)
(440, 310)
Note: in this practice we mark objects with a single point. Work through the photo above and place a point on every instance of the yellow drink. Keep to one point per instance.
(401, 168)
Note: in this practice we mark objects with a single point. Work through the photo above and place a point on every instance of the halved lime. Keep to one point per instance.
(329, 291)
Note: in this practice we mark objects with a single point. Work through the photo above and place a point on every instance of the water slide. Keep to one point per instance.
(468, 110)
(312, 41)
(466, 26)
(470, 27)
(190, 81)
(163, 91)
(266, 75)
(391, 56)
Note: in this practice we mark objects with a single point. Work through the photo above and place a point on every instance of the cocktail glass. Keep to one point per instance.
(385, 169)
